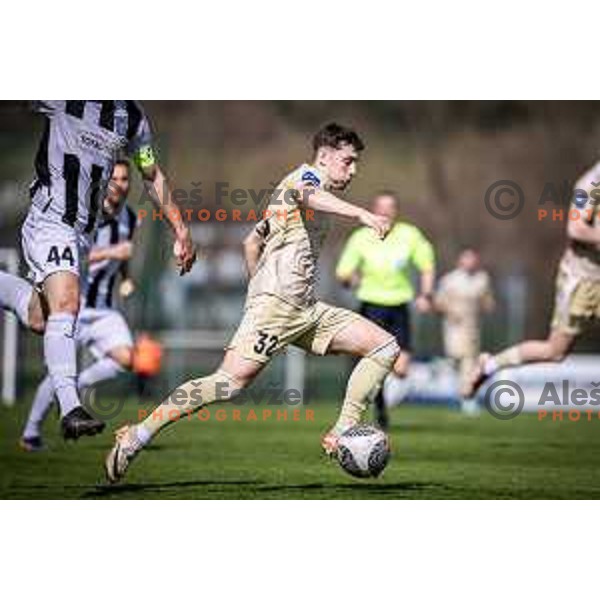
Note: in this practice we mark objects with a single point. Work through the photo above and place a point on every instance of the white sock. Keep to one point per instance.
(15, 294)
(101, 370)
(60, 355)
(44, 398)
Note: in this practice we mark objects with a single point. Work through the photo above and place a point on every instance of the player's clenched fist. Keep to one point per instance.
(184, 250)
(381, 225)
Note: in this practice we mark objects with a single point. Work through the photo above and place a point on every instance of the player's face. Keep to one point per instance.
(339, 164)
(117, 189)
(386, 206)
(469, 261)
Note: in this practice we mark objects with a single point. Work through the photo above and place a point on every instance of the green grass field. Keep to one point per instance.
(438, 453)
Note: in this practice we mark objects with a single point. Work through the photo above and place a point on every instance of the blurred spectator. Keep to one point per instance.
(380, 273)
(461, 297)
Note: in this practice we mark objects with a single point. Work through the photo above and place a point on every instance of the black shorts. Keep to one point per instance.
(394, 319)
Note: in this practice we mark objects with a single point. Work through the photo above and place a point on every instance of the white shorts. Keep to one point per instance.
(100, 330)
(50, 246)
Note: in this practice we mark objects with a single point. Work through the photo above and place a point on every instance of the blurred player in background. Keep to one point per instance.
(462, 295)
(81, 142)
(380, 273)
(577, 298)
(281, 307)
(100, 328)
(147, 361)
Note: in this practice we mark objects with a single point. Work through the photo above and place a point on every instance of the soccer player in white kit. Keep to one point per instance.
(81, 142)
(282, 306)
(577, 291)
(463, 295)
(101, 328)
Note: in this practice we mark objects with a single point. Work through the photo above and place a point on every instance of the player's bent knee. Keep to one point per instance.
(401, 365)
(386, 354)
(67, 303)
(243, 370)
(62, 293)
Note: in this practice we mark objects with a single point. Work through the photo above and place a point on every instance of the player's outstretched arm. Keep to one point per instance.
(121, 251)
(160, 191)
(323, 201)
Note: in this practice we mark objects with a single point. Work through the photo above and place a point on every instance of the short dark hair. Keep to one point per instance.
(334, 135)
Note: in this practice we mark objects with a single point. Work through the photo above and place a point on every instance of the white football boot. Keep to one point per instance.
(123, 452)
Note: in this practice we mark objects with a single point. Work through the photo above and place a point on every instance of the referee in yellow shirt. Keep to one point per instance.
(380, 273)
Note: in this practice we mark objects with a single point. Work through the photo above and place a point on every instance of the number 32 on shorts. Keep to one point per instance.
(266, 344)
(57, 257)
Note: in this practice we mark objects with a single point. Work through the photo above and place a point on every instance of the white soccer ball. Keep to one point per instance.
(363, 451)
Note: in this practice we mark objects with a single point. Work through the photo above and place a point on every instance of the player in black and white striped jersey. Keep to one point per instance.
(80, 145)
(112, 243)
(101, 328)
